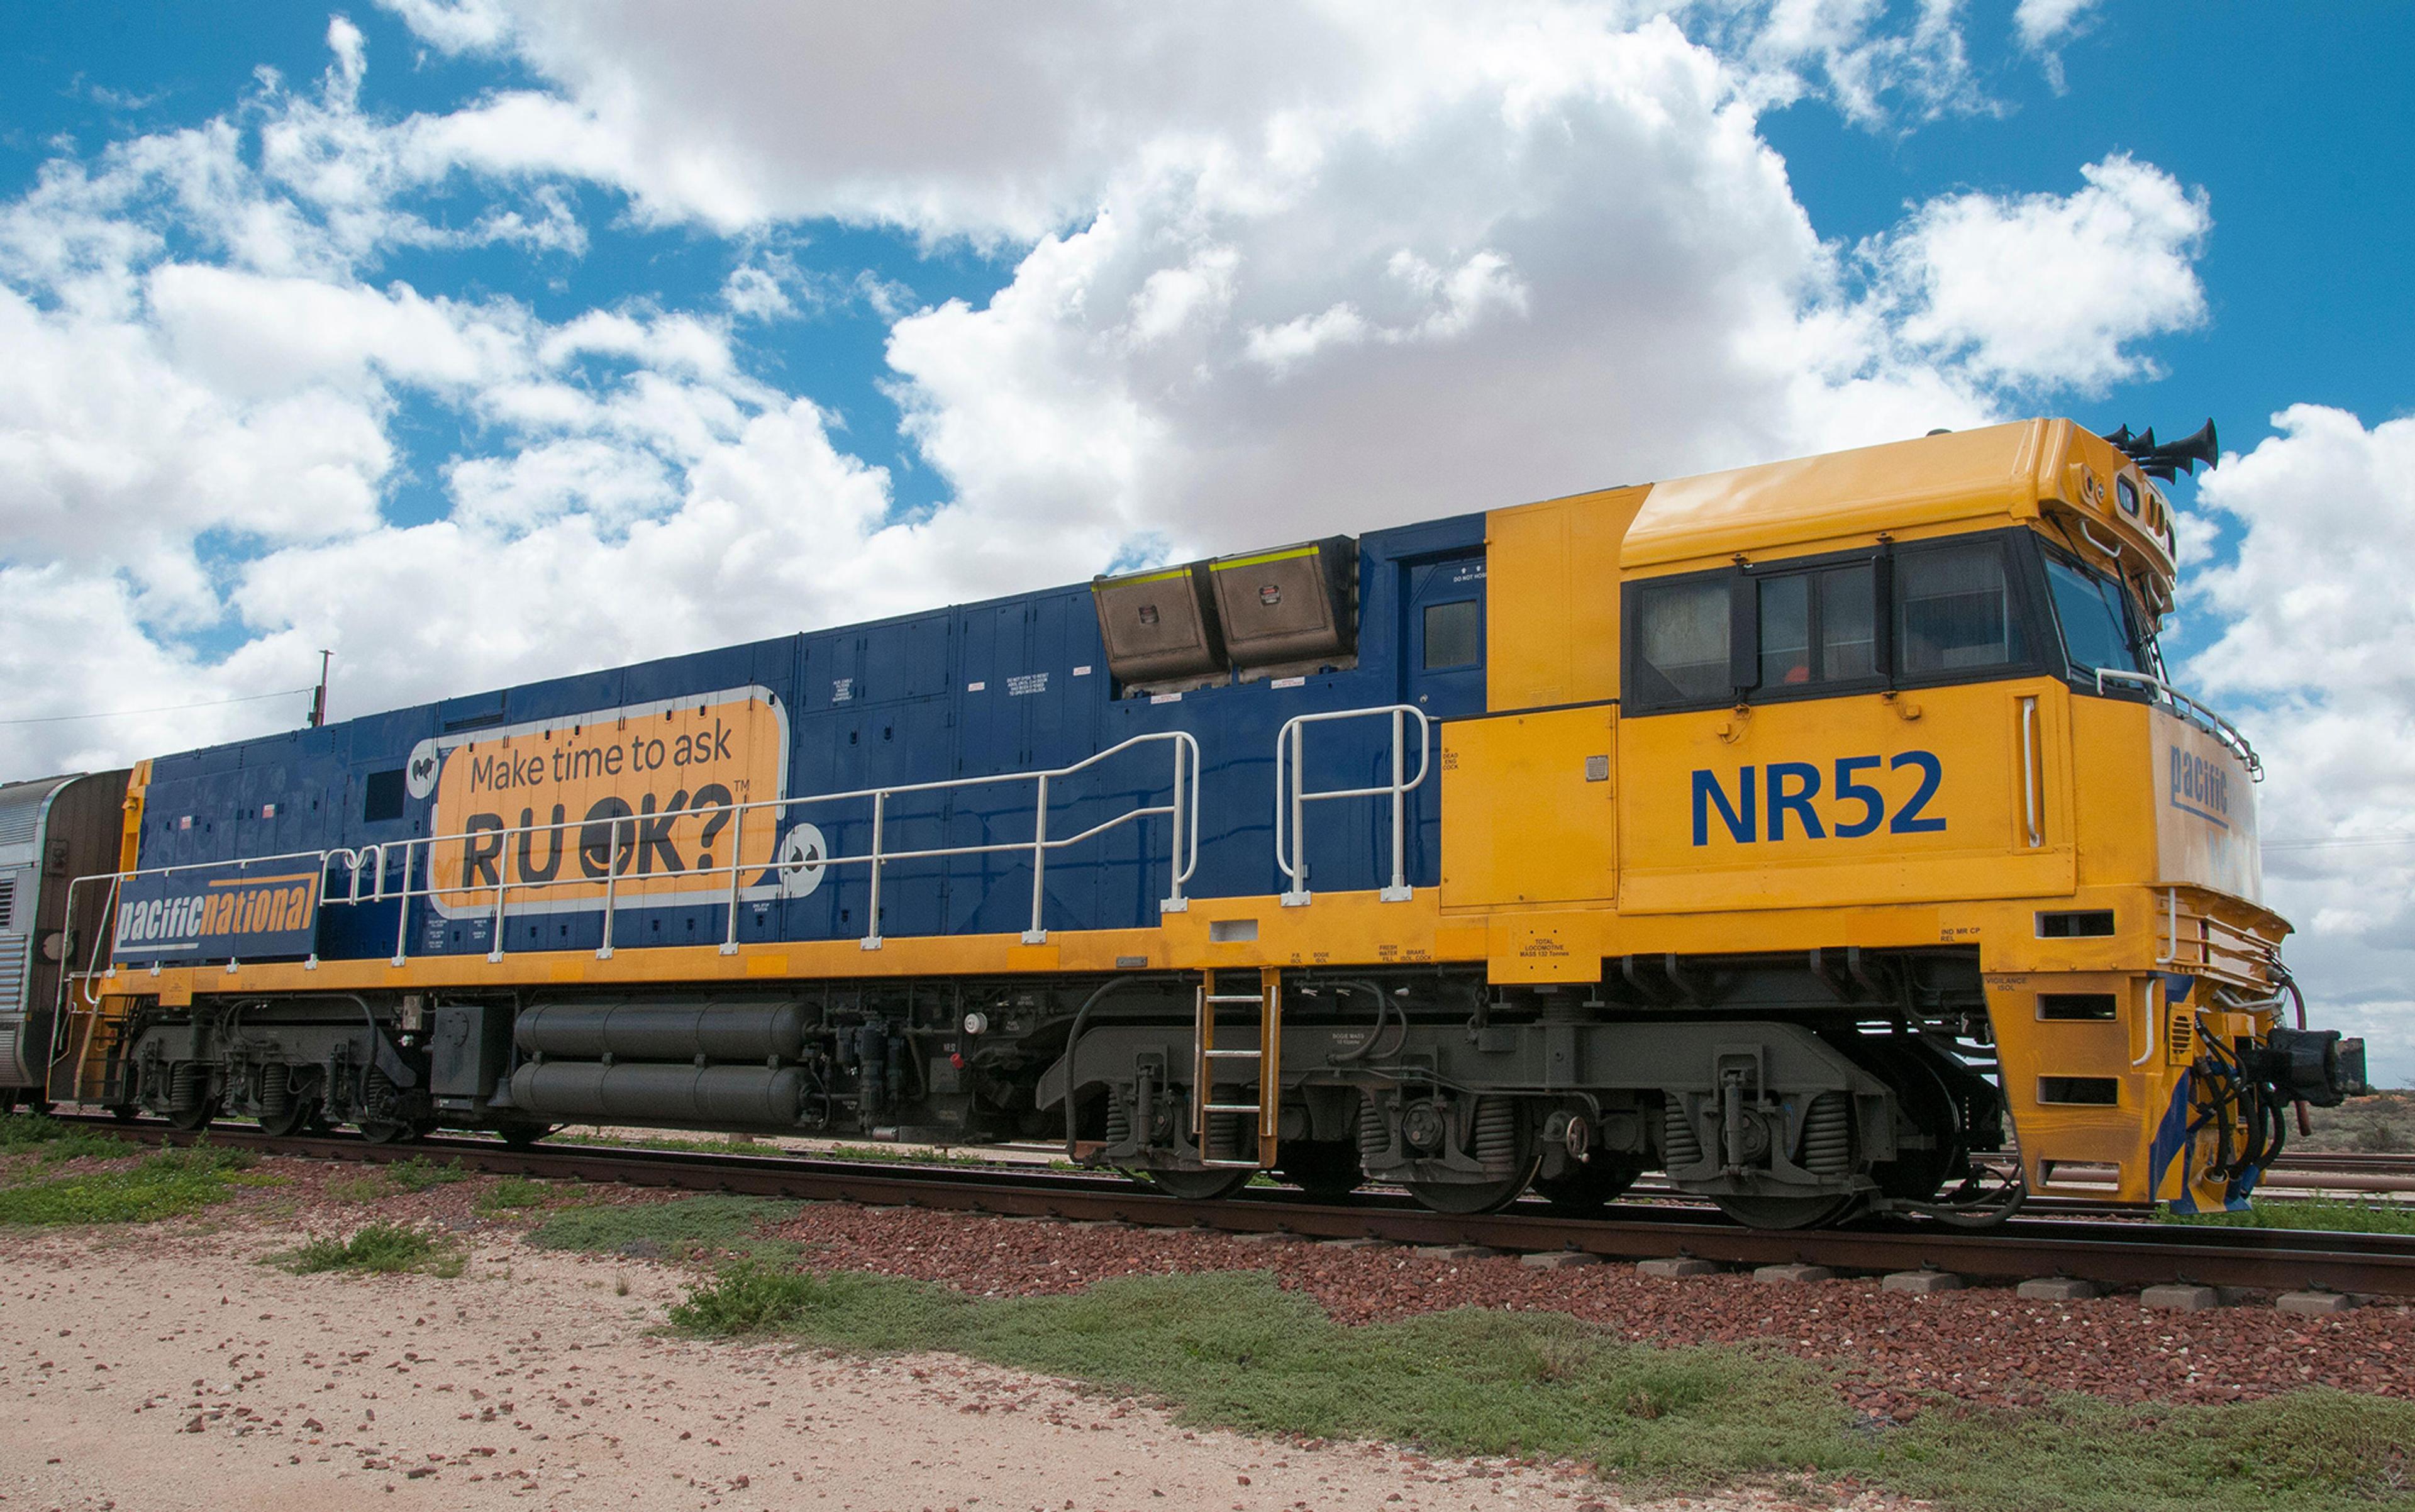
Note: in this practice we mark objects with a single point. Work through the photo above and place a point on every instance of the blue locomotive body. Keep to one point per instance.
(1007, 686)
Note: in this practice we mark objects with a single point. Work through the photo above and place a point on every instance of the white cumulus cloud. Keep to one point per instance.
(2312, 653)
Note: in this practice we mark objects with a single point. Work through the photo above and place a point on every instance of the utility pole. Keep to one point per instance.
(319, 697)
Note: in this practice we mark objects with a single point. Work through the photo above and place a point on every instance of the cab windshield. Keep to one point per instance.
(2099, 632)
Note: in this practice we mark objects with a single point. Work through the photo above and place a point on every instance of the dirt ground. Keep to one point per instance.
(165, 1369)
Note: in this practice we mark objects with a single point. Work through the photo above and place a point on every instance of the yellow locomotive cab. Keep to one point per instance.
(1899, 697)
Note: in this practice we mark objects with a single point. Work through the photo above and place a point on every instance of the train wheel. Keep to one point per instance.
(1507, 1143)
(1199, 1186)
(190, 1103)
(1789, 1212)
(1592, 1185)
(296, 1116)
(1327, 1169)
(394, 1131)
(1916, 1175)
(194, 1116)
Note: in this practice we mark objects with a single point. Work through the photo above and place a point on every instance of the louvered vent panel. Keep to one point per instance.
(20, 813)
(14, 959)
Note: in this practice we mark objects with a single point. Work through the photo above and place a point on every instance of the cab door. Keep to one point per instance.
(1443, 602)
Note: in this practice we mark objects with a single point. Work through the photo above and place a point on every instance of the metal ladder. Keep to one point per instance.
(79, 1033)
(1267, 1000)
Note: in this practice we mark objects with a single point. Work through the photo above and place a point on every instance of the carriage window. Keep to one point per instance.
(1453, 633)
(1682, 640)
(1953, 610)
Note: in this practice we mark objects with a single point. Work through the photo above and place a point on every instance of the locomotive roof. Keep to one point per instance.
(1997, 472)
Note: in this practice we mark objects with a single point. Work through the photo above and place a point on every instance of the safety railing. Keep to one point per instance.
(2188, 707)
(366, 869)
(1293, 794)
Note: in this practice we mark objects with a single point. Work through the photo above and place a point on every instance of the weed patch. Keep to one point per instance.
(685, 1227)
(1236, 1351)
(367, 1187)
(162, 1185)
(513, 1195)
(419, 1174)
(2333, 1213)
(34, 1133)
(380, 1248)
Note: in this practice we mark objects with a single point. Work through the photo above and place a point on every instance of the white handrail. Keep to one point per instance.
(1182, 858)
(1292, 794)
(2028, 771)
(2224, 729)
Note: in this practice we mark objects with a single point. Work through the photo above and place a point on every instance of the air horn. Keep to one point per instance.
(2171, 457)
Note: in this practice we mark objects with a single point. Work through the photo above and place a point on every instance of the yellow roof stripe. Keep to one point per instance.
(1262, 558)
(1145, 577)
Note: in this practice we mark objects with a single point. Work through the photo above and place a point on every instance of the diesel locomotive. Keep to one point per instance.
(1823, 834)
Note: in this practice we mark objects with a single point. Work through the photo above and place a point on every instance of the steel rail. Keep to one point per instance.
(2113, 1253)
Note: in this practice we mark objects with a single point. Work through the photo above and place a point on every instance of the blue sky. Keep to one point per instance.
(484, 340)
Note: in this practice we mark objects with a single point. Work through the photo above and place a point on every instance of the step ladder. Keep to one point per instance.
(83, 1046)
(1268, 1001)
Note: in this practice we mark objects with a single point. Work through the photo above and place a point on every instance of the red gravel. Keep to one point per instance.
(1890, 1350)
(1983, 1345)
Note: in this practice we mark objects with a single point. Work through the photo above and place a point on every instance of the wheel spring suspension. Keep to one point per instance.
(1495, 1144)
(1681, 1145)
(276, 1092)
(1375, 1133)
(1119, 1123)
(188, 1084)
(1828, 1135)
(379, 1094)
(1223, 1137)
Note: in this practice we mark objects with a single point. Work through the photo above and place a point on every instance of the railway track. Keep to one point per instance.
(2110, 1252)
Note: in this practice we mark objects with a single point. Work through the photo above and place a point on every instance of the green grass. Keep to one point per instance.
(34, 1133)
(513, 1195)
(726, 1145)
(163, 1185)
(366, 1187)
(2336, 1214)
(1234, 1351)
(684, 1227)
(380, 1249)
(419, 1174)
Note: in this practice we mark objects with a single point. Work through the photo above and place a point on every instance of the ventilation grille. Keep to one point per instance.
(20, 816)
(7, 902)
(13, 955)
(2183, 1034)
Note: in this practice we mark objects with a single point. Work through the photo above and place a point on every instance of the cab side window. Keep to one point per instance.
(1681, 632)
(1954, 609)
(1817, 627)
(1909, 614)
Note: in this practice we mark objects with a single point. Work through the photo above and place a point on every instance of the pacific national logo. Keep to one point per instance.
(2200, 786)
(228, 914)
